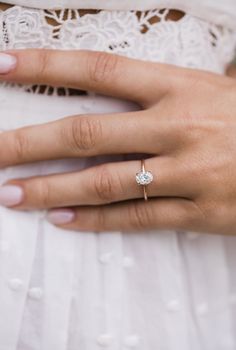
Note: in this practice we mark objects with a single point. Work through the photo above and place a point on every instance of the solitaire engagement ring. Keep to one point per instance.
(144, 178)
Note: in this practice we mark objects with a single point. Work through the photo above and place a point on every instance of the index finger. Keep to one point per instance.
(100, 72)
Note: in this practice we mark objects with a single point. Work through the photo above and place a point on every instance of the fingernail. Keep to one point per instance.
(11, 195)
(61, 217)
(7, 63)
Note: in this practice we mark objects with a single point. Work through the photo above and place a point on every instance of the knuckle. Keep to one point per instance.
(101, 66)
(224, 224)
(182, 219)
(42, 193)
(21, 145)
(105, 185)
(84, 134)
(192, 216)
(100, 221)
(140, 216)
(43, 59)
(215, 212)
(197, 129)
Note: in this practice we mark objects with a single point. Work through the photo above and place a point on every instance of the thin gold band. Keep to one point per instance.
(144, 187)
(144, 178)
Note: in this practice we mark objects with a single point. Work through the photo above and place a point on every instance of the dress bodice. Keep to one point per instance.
(218, 12)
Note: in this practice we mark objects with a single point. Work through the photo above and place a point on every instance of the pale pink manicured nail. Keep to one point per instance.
(7, 63)
(61, 216)
(11, 195)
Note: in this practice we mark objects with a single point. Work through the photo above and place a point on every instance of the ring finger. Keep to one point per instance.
(103, 184)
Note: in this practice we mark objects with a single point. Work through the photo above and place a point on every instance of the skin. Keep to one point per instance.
(232, 71)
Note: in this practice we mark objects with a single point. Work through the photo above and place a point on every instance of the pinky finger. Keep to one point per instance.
(165, 214)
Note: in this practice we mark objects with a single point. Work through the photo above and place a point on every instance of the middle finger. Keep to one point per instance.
(89, 135)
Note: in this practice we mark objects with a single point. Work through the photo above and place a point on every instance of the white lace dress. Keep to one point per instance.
(64, 290)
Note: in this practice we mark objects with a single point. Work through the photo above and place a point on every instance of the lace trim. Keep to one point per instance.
(150, 35)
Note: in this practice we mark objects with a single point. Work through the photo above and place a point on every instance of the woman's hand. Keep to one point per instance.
(187, 127)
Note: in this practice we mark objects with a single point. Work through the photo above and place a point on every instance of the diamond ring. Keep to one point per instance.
(144, 178)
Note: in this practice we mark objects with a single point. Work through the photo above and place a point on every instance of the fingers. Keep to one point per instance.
(101, 72)
(91, 135)
(158, 214)
(107, 183)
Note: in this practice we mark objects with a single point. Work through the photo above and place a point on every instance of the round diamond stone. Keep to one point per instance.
(144, 178)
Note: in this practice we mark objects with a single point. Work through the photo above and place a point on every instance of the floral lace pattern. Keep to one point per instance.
(188, 42)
